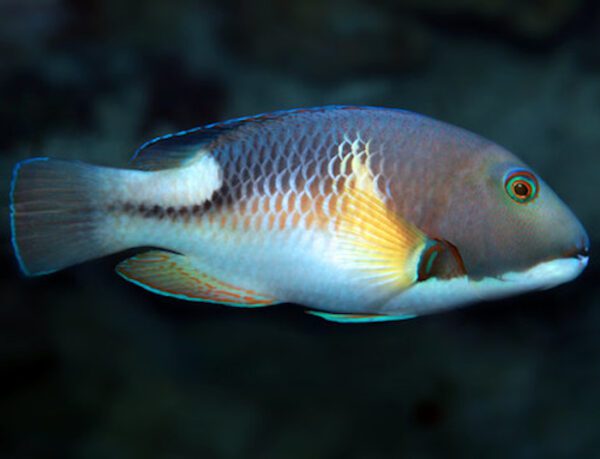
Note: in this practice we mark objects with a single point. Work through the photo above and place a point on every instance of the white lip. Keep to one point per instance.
(549, 274)
(438, 294)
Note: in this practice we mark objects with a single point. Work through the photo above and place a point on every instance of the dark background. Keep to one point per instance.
(93, 367)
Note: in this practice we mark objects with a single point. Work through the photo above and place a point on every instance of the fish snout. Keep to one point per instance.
(579, 252)
(582, 251)
(572, 236)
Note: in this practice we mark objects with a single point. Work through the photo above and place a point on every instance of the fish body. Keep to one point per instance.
(361, 213)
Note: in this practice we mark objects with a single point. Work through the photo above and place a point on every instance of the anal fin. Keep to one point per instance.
(358, 318)
(175, 275)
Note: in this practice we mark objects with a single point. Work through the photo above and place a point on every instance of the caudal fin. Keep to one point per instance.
(56, 214)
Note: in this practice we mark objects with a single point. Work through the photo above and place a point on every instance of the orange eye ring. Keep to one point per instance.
(521, 186)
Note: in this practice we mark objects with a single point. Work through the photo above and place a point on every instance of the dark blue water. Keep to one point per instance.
(94, 367)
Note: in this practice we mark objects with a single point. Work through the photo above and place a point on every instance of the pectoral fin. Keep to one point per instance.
(175, 275)
(358, 318)
(381, 246)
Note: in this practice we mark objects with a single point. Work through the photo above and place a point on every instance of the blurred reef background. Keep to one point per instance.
(93, 367)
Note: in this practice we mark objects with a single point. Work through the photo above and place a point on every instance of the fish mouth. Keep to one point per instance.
(582, 258)
(582, 252)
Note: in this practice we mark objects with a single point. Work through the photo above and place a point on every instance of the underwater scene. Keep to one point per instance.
(384, 215)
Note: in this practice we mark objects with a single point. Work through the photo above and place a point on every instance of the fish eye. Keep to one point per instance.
(521, 186)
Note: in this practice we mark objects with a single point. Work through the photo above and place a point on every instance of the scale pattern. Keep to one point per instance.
(277, 180)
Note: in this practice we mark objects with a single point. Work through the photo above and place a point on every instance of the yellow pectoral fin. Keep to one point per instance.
(373, 240)
(174, 275)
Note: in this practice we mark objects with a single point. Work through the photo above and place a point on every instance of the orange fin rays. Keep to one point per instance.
(175, 275)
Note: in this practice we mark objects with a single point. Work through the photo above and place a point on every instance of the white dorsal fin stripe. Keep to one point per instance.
(192, 184)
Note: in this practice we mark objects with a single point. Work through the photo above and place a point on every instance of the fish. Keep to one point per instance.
(360, 214)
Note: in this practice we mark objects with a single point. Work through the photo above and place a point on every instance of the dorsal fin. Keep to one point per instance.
(174, 150)
(181, 148)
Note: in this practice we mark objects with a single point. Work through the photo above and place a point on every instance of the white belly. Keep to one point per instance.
(296, 266)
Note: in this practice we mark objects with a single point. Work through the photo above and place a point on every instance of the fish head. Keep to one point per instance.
(504, 231)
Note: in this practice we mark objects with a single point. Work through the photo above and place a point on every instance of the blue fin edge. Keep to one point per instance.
(184, 297)
(259, 115)
(352, 318)
(13, 229)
